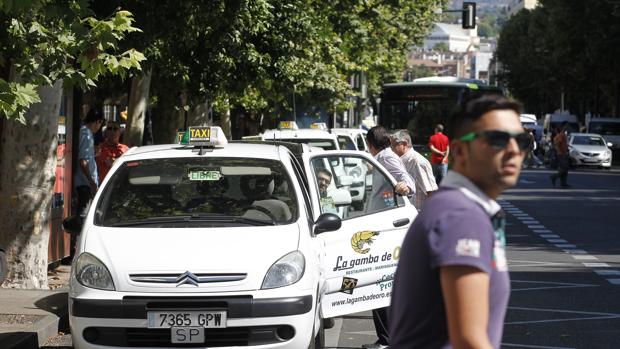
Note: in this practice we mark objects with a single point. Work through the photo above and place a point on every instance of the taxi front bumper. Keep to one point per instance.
(285, 322)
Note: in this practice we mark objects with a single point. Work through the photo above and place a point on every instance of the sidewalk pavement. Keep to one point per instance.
(29, 317)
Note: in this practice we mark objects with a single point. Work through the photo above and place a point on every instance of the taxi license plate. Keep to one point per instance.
(187, 318)
(187, 335)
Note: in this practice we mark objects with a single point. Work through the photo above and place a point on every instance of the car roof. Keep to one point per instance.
(586, 134)
(234, 150)
(301, 133)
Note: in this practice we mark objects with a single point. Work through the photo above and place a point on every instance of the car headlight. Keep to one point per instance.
(607, 152)
(574, 152)
(91, 272)
(285, 271)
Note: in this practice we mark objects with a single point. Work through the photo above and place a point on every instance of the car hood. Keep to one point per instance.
(234, 258)
(590, 148)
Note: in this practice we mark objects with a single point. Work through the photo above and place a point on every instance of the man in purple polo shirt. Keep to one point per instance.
(451, 286)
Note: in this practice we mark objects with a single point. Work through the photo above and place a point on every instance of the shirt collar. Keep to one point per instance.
(458, 181)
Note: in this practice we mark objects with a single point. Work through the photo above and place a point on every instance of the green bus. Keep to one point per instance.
(423, 103)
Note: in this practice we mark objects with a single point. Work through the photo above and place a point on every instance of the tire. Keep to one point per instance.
(3, 266)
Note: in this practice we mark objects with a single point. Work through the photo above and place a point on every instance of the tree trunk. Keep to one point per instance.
(138, 103)
(199, 115)
(225, 121)
(167, 120)
(27, 169)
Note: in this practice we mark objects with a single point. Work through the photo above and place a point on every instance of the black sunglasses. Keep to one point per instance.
(114, 128)
(499, 139)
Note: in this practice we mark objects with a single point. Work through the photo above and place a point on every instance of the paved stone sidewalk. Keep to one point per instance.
(28, 318)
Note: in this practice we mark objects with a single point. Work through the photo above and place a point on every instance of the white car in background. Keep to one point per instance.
(319, 136)
(351, 138)
(589, 149)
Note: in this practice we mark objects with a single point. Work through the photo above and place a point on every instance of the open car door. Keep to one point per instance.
(359, 259)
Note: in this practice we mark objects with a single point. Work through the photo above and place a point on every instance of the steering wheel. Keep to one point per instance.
(261, 210)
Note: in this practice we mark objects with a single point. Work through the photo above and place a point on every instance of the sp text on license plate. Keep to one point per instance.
(187, 318)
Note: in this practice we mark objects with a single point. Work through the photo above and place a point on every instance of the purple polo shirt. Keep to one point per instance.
(453, 229)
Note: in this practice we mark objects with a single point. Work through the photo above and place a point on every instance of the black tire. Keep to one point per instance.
(329, 322)
(3, 266)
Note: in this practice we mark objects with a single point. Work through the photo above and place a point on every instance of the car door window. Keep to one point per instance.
(351, 186)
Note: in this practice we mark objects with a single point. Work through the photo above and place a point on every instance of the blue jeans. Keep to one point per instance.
(440, 171)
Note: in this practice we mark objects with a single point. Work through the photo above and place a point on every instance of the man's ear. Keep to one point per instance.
(458, 150)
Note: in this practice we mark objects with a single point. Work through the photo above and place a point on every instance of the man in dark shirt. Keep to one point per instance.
(560, 143)
(451, 286)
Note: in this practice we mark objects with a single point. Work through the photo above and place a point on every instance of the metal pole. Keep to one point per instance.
(294, 107)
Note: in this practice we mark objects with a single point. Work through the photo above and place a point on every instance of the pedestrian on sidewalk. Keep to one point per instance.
(86, 179)
(378, 139)
(560, 144)
(451, 286)
(110, 149)
(417, 166)
(440, 150)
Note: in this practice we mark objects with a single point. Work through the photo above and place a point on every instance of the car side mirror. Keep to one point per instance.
(609, 144)
(327, 222)
(73, 224)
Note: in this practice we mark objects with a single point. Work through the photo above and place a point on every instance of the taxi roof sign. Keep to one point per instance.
(318, 126)
(209, 136)
(288, 125)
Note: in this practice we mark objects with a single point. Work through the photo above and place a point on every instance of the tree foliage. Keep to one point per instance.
(43, 41)
(564, 46)
(253, 54)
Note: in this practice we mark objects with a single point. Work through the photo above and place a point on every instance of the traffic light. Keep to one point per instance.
(469, 15)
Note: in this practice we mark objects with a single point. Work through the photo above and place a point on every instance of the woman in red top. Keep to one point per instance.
(110, 149)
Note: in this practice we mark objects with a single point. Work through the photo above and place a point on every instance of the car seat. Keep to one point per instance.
(258, 190)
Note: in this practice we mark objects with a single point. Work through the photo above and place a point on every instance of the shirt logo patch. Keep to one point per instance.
(468, 248)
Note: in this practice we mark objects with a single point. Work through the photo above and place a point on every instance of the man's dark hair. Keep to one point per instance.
(439, 128)
(462, 118)
(378, 137)
(93, 115)
(322, 170)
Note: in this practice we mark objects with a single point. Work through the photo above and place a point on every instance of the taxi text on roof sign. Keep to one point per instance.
(288, 125)
(209, 136)
(201, 135)
(318, 126)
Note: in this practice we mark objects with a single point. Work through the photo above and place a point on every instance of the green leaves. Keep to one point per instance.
(563, 46)
(59, 40)
(15, 98)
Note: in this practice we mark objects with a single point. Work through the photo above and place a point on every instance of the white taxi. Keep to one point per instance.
(217, 244)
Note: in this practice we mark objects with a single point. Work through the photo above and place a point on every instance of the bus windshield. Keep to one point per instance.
(418, 107)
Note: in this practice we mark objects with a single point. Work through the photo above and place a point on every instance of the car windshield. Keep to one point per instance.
(190, 192)
(325, 144)
(588, 140)
(605, 128)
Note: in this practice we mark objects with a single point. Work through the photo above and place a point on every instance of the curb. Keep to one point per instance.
(36, 334)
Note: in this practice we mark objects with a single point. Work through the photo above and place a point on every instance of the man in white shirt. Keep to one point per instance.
(416, 164)
(378, 139)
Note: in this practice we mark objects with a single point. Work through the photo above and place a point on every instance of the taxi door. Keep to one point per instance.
(358, 260)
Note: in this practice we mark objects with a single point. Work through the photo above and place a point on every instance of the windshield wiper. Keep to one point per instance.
(195, 217)
(219, 217)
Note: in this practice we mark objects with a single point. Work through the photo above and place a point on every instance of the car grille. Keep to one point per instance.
(220, 337)
(178, 277)
(591, 154)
